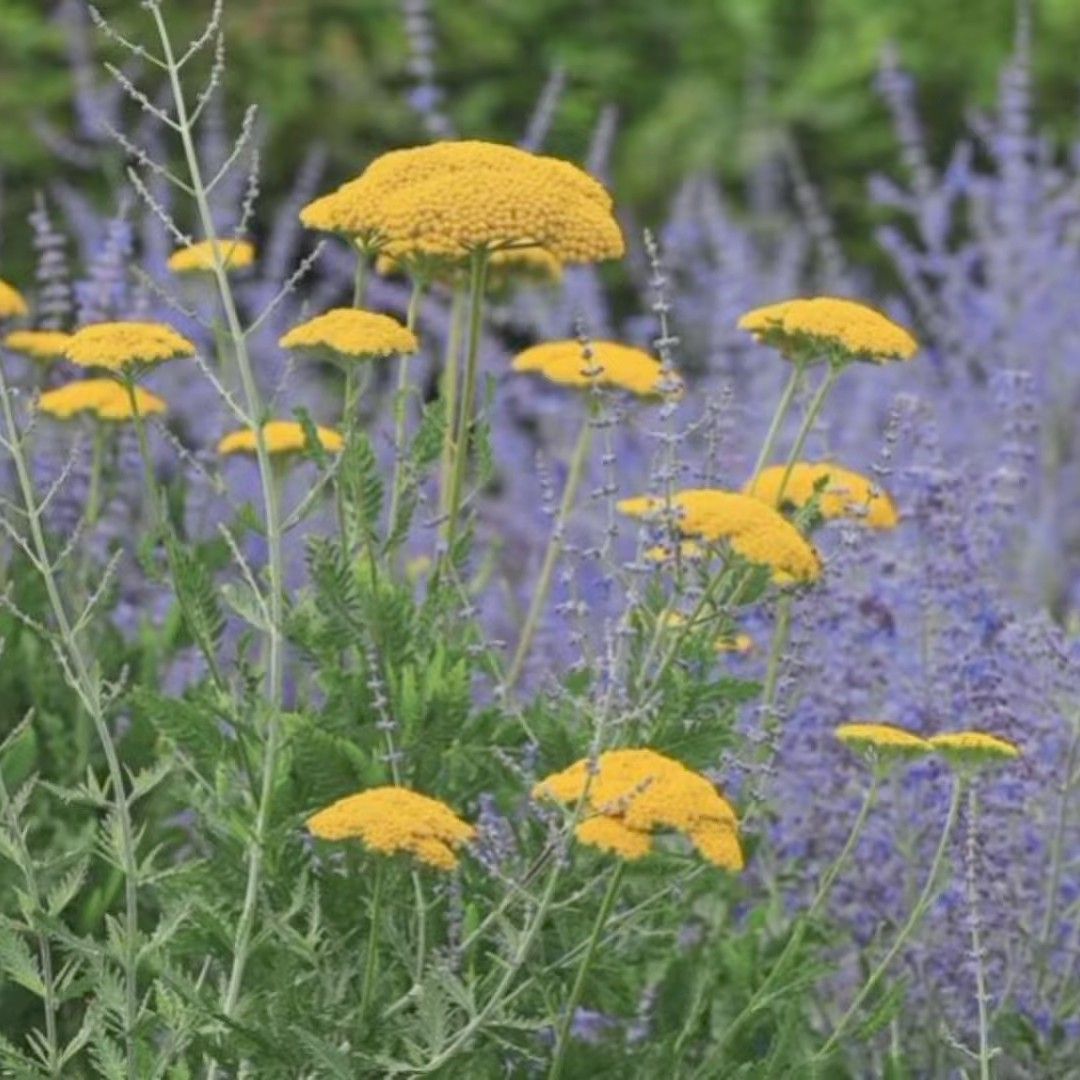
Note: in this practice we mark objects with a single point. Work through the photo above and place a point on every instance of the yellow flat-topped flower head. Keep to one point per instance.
(882, 741)
(611, 834)
(12, 303)
(282, 437)
(104, 398)
(972, 749)
(754, 530)
(349, 334)
(199, 258)
(829, 326)
(846, 494)
(125, 347)
(41, 345)
(644, 791)
(620, 367)
(394, 820)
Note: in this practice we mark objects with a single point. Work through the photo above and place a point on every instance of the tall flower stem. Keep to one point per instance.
(371, 962)
(477, 277)
(971, 888)
(97, 465)
(401, 400)
(783, 407)
(448, 392)
(555, 544)
(917, 912)
(555, 1071)
(255, 407)
(87, 686)
(799, 932)
(811, 416)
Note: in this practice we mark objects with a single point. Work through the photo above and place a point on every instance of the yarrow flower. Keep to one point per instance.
(199, 258)
(104, 398)
(974, 748)
(504, 267)
(389, 820)
(754, 530)
(634, 793)
(282, 437)
(126, 346)
(804, 329)
(12, 304)
(609, 364)
(844, 494)
(452, 198)
(882, 739)
(38, 344)
(346, 333)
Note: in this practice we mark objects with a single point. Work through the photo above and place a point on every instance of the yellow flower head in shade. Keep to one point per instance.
(199, 258)
(124, 346)
(12, 304)
(38, 344)
(390, 820)
(282, 437)
(643, 791)
(824, 324)
(613, 365)
(350, 334)
(846, 494)
(355, 209)
(505, 268)
(882, 739)
(105, 398)
(754, 530)
(973, 748)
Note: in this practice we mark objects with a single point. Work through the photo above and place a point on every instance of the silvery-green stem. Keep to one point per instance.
(449, 396)
(400, 410)
(779, 415)
(371, 961)
(971, 888)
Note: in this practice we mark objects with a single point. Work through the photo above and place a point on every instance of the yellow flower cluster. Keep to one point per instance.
(12, 304)
(282, 437)
(882, 738)
(636, 792)
(122, 346)
(827, 324)
(845, 494)
(613, 365)
(754, 530)
(199, 258)
(974, 747)
(390, 820)
(104, 398)
(352, 334)
(38, 344)
(452, 198)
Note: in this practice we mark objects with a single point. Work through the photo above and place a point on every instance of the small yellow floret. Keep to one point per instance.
(12, 304)
(883, 738)
(347, 332)
(282, 437)
(754, 530)
(974, 747)
(645, 791)
(120, 346)
(390, 820)
(199, 258)
(689, 550)
(105, 398)
(610, 364)
(846, 494)
(38, 344)
(825, 324)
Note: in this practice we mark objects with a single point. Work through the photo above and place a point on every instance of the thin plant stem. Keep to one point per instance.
(87, 686)
(97, 464)
(812, 414)
(971, 888)
(779, 415)
(360, 278)
(401, 398)
(448, 392)
(824, 890)
(371, 962)
(274, 673)
(555, 544)
(583, 969)
(917, 912)
(477, 275)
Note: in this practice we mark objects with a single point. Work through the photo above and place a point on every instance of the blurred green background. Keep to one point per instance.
(697, 83)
